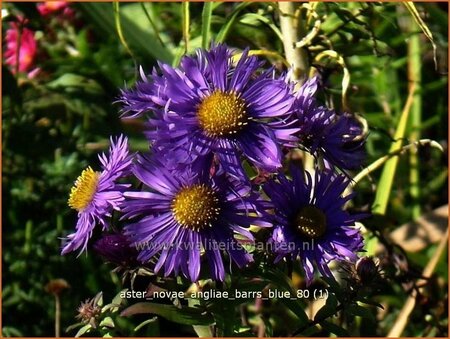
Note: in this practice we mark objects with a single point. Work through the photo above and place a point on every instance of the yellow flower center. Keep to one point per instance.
(84, 189)
(196, 207)
(311, 222)
(222, 114)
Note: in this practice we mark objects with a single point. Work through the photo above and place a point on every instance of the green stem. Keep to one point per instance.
(152, 23)
(385, 184)
(119, 30)
(57, 316)
(415, 77)
(206, 24)
(186, 24)
(379, 162)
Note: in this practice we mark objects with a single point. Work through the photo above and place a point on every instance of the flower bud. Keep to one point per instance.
(367, 270)
(117, 249)
(89, 311)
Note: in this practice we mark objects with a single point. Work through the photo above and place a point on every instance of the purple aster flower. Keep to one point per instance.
(96, 194)
(141, 99)
(337, 138)
(185, 213)
(310, 222)
(212, 104)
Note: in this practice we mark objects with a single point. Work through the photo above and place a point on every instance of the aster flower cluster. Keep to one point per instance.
(207, 122)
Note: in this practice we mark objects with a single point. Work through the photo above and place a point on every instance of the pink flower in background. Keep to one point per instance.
(22, 51)
(49, 7)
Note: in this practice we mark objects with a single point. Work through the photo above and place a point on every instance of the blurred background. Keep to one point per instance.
(58, 112)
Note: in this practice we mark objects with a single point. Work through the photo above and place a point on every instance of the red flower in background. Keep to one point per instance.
(52, 7)
(21, 48)
(49, 7)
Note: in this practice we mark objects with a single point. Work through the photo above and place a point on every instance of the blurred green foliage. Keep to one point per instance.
(54, 125)
(46, 125)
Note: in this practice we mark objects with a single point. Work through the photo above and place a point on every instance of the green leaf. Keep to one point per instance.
(70, 82)
(107, 322)
(73, 326)
(98, 299)
(146, 322)
(181, 51)
(415, 14)
(118, 298)
(333, 328)
(183, 315)
(334, 288)
(215, 4)
(225, 319)
(223, 33)
(206, 24)
(268, 327)
(309, 332)
(370, 302)
(253, 18)
(85, 329)
(201, 331)
(387, 176)
(8, 331)
(359, 311)
(115, 303)
(280, 280)
(102, 15)
(152, 23)
(327, 310)
(82, 43)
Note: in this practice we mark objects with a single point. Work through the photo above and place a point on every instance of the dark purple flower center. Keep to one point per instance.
(311, 222)
(222, 114)
(84, 189)
(196, 207)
